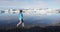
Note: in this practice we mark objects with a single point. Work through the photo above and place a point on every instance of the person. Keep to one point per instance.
(20, 19)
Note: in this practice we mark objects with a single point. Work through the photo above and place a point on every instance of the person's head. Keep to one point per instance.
(20, 11)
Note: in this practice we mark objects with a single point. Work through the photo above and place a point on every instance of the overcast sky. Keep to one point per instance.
(29, 3)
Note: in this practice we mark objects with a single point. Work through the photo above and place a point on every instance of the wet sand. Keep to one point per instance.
(34, 29)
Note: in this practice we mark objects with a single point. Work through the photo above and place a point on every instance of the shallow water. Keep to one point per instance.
(12, 19)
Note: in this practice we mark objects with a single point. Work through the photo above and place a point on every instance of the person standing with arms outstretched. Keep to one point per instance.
(21, 22)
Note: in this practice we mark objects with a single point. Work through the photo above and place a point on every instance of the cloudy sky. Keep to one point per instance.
(29, 3)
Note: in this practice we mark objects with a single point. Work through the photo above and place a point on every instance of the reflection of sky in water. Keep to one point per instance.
(29, 19)
(43, 19)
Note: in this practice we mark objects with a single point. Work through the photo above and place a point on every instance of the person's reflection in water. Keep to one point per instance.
(21, 22)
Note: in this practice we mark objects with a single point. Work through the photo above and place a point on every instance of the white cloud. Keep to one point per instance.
(28, 4)
(38, 4)
(57, 1)
(23, 4)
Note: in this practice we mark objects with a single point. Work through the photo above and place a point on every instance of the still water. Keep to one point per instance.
(12, 19)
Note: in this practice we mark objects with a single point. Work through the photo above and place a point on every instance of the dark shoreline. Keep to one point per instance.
(34, 29)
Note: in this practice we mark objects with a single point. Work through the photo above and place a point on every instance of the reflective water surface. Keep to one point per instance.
(12, 19)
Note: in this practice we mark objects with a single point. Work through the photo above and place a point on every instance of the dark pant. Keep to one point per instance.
(22, 20)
